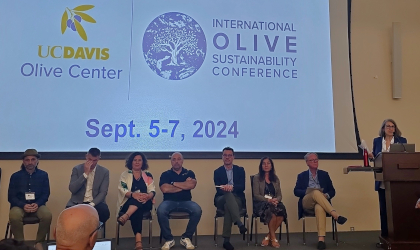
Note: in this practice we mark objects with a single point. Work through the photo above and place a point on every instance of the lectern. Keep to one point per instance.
(400, 173)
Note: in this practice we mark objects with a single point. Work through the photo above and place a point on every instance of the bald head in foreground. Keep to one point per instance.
(77, 228)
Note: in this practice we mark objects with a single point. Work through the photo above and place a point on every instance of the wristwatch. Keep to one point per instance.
(172, 183)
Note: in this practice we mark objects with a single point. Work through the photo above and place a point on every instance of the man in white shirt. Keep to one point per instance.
(89, 184)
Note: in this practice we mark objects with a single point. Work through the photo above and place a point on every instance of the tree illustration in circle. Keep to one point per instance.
(174, 46)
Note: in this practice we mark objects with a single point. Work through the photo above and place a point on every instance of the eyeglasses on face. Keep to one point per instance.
(389, 126)
(101, 224)
(227, 155)
(313, 160)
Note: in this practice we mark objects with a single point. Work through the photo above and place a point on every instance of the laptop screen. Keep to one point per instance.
(100, 245)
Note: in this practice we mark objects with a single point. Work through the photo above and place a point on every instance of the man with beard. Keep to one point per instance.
(176, 185)
(29, 189)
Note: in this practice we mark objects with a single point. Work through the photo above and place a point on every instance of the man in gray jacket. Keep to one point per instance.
(89, 184)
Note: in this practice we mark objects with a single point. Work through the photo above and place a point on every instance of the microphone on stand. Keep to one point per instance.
(396, 138)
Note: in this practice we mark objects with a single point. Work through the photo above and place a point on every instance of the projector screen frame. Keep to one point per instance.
(116, 155)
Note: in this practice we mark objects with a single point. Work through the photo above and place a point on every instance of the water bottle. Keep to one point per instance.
(365, 158)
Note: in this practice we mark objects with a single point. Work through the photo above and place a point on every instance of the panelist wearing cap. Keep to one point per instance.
(29, 190)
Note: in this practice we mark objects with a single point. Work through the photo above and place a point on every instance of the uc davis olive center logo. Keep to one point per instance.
(174, 46)
(72, 19)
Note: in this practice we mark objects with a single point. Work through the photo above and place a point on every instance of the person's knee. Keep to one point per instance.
(16, 214)
(196, 209)
(229, 195)
(162, 210)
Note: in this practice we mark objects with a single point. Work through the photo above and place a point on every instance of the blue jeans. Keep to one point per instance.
(190, 207)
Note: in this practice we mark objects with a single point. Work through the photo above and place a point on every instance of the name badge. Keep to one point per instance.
(268, 196)
(29, 196)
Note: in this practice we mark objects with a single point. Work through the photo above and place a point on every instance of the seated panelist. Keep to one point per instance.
(89, 184)
(315, 190)
(136, 190)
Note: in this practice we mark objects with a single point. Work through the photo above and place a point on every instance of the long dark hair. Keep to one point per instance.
(129, 161)
(382, 130)
(272, 174)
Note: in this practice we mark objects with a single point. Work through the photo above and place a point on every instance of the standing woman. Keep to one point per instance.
(136, 190)
(388, 134)
(267, 200)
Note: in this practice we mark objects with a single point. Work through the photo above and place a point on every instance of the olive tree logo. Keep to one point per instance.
(72, 19)
(174, 46)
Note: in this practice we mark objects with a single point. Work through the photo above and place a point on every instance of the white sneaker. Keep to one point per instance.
(168, 245)
(186, 242)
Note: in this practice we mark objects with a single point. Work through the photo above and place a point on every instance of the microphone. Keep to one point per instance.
(396, 138)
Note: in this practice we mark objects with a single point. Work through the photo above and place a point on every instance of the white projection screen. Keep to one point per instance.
(164, 76)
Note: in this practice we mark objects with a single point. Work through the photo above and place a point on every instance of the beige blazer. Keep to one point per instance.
(258, 189)
(125, 183)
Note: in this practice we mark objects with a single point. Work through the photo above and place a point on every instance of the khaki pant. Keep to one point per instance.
(316, 200)
(16, 215)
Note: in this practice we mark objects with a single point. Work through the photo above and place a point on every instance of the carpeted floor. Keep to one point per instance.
(347, 241)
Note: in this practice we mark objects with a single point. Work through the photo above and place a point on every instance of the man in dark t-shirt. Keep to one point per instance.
(176, 185)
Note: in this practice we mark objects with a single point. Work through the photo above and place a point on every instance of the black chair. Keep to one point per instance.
(146, 216)
(255, 217)
(221, 213)
(311, 214)
(27, 220)
(180, 216)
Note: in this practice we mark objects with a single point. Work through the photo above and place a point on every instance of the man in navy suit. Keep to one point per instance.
(315, 190)
(229, 180)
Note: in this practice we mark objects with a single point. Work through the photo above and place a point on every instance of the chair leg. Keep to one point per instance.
(117, 234)
(247, 231)
(7, 230)
(104, 229)
(332, 226)
(252, 224)
(196, 238)
(256, 231)
(281, 225)
(336, 233)
(215, 231)
(304, 239)
(287, 232)
(150, 233)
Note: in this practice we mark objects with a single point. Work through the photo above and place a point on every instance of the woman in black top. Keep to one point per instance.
(136, 191)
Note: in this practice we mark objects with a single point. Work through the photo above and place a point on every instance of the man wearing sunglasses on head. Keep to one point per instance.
(77, 228)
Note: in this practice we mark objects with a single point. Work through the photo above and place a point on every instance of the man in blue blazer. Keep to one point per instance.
(315, 190)
(89, 184)
(229, 180)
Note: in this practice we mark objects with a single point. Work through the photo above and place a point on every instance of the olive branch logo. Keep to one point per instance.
(72, 19)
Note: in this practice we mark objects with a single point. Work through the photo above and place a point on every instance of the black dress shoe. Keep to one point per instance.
(228, 246)
(321, 245)
(341, 220)
(242, 229)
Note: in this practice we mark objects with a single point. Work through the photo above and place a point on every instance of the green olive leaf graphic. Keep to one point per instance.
(80, 30)
(64, 22)
(83, 7)
(85, 17)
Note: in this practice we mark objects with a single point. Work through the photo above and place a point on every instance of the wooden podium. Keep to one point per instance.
(401, 176)
(400, 173)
